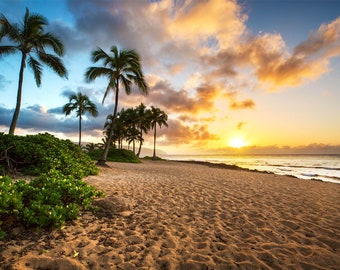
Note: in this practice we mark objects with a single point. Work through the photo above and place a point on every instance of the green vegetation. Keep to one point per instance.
(115, 155)
(81, 104)
(47, 201)
(121, 68)
(153, 158)
(158, 117)
(37, 154)
(132, 123)
(57, 194)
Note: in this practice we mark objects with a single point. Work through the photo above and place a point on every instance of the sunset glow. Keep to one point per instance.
(230, 74)
(237, 142)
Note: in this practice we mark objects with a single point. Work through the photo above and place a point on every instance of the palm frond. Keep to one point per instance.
(33, 24)
(50, 40)
(68, 108)
(98, 55)
(53, 62)
(93, 72)
(5, 50)
(11, 31)
(36, 68)
(110, 86)
(127, 85)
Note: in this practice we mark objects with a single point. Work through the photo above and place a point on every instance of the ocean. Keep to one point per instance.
(318, 167)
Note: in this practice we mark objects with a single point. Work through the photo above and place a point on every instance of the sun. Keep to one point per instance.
(237, 142)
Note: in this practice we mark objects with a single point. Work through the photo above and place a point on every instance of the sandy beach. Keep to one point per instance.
(173, 215)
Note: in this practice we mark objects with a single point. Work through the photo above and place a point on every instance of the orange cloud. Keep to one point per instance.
(325, 41)
(272, 64)
(199, 20)
(308, 62)
(175, 69)
(244, 104)
(240, 125)
(165, 96)
(178, 133)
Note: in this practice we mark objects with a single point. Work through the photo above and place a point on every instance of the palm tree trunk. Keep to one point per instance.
(79, 130)
(139, 149)
(109, 139)
(154, 144)
(18, 105)
(140, 143)
(134, 144)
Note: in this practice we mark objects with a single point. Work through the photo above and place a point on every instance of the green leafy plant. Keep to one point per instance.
(58, 194)
(47, 201)
(115, 155)
(36, 154)
(152, 158)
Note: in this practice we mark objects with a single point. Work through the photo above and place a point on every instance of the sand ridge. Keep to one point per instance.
(171, 215)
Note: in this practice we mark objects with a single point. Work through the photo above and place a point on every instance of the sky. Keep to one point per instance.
(246, 76)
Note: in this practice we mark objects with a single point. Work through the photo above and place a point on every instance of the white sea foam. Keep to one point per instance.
(319, 167)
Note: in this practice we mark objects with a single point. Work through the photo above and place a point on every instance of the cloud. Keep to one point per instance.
(201, 99)
(180, 134)
(240, 125)
(36, 117)
(272, 64)
(198, 21)
(3, 82)
(6, 116)
(244, 104)
(312, 149)
(74, 41)
(324, 42)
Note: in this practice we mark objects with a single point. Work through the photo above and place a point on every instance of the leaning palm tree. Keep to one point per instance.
(81, 104)
(158, 117)
(121, 68)
(29, 38)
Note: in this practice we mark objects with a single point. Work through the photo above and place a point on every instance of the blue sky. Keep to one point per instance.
(263, 72)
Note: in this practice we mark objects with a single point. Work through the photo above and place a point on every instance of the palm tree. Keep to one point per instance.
(118, 130)
(133, 135)
(159, 117)
(91, 147)
(121, 68)
(81, 104)
(143, 123)
(31, 41)
(131, 121)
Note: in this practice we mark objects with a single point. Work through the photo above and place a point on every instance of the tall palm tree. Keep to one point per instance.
(121, 68)
(29, 38)
(158, 117)
(81, 104)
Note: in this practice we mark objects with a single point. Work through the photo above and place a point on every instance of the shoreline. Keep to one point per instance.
(180, 215)
(238, 168)
(299, 175)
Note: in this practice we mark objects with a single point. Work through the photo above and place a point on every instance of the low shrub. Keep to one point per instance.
(152, 158)
(58, 194)
(47, 201)
(36, 154)
(115, 155)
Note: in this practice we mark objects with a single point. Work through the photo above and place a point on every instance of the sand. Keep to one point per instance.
(172, 215)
